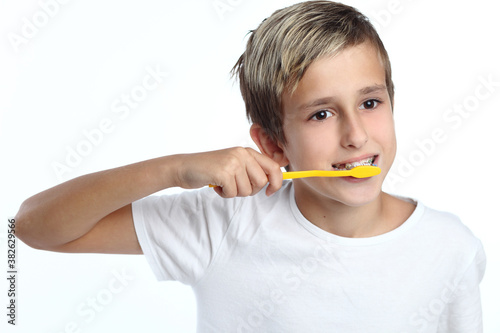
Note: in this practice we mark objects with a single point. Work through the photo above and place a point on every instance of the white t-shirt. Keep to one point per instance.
(256, 264)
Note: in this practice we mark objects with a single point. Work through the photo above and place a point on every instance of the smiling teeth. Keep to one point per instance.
(349, 166)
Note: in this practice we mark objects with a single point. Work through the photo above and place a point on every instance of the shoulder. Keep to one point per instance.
(445, 230)
(449, 243)
(445, 224)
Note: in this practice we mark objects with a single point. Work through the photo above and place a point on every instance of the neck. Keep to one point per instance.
(368, 220)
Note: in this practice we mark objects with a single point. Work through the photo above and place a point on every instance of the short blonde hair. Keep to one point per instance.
(281, 49)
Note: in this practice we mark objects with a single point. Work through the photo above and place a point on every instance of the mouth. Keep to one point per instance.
(353, 164)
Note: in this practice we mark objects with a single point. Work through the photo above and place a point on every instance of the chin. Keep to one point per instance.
(348, 192)
(358, 197)
(358, 202)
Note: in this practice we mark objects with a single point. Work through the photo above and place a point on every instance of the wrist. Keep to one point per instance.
(170, 170)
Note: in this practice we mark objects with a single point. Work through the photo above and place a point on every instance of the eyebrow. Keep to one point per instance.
(327, 100)
(371, 89)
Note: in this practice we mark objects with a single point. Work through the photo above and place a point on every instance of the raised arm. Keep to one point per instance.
(93, 213)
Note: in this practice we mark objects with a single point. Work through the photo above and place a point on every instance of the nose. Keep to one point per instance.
(354, 134)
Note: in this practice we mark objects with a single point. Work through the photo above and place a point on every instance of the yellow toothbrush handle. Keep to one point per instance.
(358, 172)
(314, 173)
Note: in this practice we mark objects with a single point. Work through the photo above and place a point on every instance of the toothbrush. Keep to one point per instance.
(362, 171)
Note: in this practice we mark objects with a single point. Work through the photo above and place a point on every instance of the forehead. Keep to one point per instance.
(351, 70)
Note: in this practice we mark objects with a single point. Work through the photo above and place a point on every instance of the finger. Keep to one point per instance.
(257, 177)
(252, 180)
(272, 173)
(227, 189)
(275, 177)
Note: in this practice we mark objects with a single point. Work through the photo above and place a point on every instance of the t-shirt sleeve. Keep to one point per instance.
(464, 313)
(180, 234)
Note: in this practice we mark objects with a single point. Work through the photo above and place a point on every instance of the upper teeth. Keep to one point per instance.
(349, 166)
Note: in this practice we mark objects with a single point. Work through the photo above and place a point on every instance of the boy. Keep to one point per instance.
(315, 254)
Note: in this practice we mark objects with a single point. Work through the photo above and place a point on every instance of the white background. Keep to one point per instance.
(65, 78)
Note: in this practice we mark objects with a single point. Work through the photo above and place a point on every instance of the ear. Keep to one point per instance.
(267, 145)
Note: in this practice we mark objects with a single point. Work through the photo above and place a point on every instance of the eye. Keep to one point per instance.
(370, 104)
(322, 115)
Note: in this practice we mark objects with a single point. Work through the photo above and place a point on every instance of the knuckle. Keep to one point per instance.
(249, 150)
(276, 183)
(239, 151)
(261, 182)
(233, 161)
(245, 188)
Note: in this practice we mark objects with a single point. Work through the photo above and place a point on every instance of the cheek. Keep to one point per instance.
(307, 145)
(297, 143)
(383, 131)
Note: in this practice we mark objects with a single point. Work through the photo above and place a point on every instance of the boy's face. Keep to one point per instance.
(340, 112)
